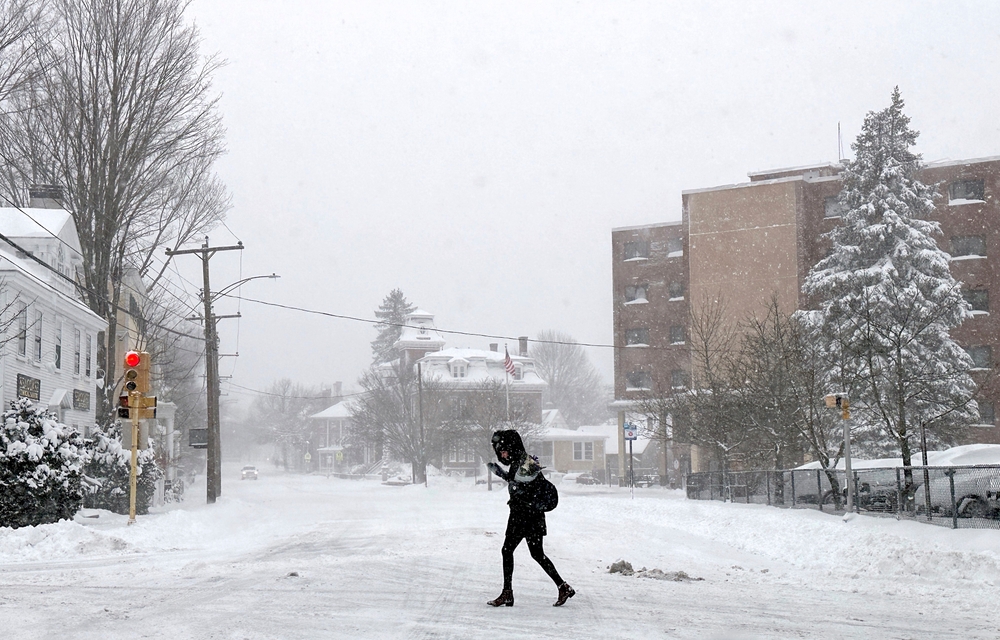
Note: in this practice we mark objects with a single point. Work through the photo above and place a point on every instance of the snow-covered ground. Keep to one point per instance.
(293, 556)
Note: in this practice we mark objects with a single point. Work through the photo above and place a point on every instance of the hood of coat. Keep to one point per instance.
(510, 441)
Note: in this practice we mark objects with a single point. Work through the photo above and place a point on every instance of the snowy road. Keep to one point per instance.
(294, 556)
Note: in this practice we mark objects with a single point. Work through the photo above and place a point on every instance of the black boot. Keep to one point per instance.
(505, 599)
(565, 593)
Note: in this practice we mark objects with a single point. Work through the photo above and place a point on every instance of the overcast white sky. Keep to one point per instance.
(478, 154)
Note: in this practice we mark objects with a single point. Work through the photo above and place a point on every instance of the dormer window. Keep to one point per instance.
(518, 372)
(459, 369)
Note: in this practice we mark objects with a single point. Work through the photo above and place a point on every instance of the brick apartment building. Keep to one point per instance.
(743, 243)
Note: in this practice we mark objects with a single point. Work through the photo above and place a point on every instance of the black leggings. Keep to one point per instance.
(535, 547)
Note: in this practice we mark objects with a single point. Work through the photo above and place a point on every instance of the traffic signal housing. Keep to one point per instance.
(137, 372)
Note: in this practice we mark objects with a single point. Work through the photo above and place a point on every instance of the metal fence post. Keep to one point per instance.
(857, 508)
(792, 473)
(899, 495)
(746, 483)
(767, 482)
(819, 490)
(954, 507)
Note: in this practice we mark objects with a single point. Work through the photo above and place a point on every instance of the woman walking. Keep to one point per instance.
(527, 513)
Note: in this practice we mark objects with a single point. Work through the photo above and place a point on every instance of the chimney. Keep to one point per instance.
(493, 347)
(45, 196)
(338, 393)
(522, 346)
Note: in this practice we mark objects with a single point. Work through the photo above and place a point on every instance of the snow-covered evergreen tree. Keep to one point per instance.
(887, 300)
(392, 314)
(41, 465)
(107, 472)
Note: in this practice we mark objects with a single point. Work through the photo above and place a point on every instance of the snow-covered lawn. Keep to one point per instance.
(293, 556)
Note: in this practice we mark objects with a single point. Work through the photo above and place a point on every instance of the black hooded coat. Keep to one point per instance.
(524, 484)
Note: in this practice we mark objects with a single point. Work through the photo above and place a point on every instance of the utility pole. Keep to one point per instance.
(420, 401)
(214, 462)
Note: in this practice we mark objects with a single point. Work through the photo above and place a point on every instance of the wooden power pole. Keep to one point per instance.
(214, 462)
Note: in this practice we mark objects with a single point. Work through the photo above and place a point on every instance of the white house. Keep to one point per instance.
(49, 353)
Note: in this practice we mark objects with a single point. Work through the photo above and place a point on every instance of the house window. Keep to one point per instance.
(637, 337)
(636, 292)
(965, 190)
(986, 413)
(636, 250)
(638, 380)
(518, 372)
(458, 370)
(982, 356)
(22, 331)
(675, 247)
(676, 290)
(583, 450)
(90, 345)
(678, 379)
(38, 336)
(833, 207)
(979, 299)
(58, 345)
(968, 246)
(77, 344)
(677, 334)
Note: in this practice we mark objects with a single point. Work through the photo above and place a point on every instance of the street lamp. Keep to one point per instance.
(226, 289)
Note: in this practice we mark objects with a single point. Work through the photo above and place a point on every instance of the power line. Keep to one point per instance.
(282, 395)
(473, 334)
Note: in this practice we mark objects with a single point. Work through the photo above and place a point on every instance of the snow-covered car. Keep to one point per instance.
(977, 495)
(248, 472)
(579, 477)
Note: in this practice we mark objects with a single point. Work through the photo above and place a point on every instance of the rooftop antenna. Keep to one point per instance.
(840, 145)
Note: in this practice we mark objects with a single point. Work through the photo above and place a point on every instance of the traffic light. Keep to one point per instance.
(137, 371)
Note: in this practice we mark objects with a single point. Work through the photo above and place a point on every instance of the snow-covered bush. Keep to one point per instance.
(107, 472)
(41, 464)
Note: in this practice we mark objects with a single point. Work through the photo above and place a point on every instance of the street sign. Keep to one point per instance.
(340, 456)
(631, 431)
(308, 457)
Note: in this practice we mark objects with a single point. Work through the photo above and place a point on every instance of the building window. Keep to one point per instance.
(979, 299)
(58, 345)
(636, 250)
(982, 356)
(458, 370)
(22, 331)
(677, 334)
(968, 246)
(77, 345)
(679, 379)
(38, 336)
(638, 380)
(675, 247)
(833, 207)
(637, 337)
(636, 293)
(583, 450)
(518, 372)
(676, 290)
(986, 413)
(90, 345)
(965, 190)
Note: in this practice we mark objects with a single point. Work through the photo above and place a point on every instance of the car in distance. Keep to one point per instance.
(249, 472)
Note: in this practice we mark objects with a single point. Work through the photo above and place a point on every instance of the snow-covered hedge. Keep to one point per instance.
(107, 472)
(41, 464)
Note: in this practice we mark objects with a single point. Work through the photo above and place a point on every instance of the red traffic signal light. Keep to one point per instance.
(132, 359)
(137, 372)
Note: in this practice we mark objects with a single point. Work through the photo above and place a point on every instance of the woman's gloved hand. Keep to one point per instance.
(495, 468)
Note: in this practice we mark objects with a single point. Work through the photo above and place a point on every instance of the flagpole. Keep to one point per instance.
(506, 380)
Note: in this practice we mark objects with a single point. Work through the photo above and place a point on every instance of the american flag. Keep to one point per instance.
(508, 364)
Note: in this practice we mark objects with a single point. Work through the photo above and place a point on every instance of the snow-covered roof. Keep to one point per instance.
(552, 418)
(611, 444)
(419, 332)
(38, 275)
(482, 365)
(16, 223)
(340, 410)
(802, 169)
(952, 163)
(574, 435)
(969, 454)
(640, 227)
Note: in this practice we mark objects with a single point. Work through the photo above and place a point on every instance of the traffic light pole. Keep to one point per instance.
(214, 452)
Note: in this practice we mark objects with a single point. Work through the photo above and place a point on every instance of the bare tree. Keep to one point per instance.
(125, 119)
(575, 386)
(280, 416)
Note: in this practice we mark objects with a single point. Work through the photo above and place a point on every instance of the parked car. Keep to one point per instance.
(248, 472)
(585, 478)
(977, 494)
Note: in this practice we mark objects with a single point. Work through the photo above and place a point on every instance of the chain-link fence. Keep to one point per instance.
(958, 497)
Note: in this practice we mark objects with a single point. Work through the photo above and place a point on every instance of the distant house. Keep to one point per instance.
(335, 452)
(50, 349)
(562, 449)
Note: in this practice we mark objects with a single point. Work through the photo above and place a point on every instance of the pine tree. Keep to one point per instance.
(392, 314)
(107, 471)
(887, 299)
